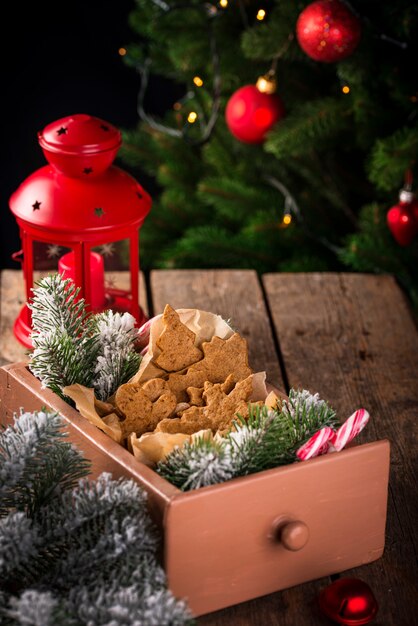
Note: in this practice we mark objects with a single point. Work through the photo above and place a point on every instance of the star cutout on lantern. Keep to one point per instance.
(104, 127)
(99, 211)
(87, 170)
(139, 194)
(107, 249)
(36, 205)
(110, 281)
(53, 251)
(62, 131)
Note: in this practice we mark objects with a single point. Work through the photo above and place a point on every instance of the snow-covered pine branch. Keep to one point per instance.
(71, 347)
(266, 439)
(84, 555)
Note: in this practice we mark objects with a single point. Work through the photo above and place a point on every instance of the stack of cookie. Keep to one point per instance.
(193, 388)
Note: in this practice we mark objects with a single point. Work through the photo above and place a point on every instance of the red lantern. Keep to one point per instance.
(76, 212)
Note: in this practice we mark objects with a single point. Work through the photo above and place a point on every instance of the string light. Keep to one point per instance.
(198, 81)
(192, 117)
(223, 3)
(261, 15)
(345, 89)
(267, 83)
(122, 51)
(287, 219)
(177, 106)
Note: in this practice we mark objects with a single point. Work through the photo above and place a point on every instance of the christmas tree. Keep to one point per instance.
(314, 193)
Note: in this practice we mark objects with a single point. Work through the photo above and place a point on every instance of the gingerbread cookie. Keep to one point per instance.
(222, 357)
(176, 343)
(144, 407)
(220, 409)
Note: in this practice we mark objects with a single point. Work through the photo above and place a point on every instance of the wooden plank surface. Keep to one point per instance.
(352, 338)
(13, 297)
(235, 295)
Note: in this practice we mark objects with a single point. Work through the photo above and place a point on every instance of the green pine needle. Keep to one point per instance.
(266, 439)
(72, 347)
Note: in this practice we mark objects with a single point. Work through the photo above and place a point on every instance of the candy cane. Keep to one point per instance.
(316, 445)
(143, 334)
(350, 429)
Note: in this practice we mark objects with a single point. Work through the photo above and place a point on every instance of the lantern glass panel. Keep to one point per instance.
(47, 255)
(115, 255)
(117, 277)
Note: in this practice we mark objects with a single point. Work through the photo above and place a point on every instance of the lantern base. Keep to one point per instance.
(22, 327)
(120, 301)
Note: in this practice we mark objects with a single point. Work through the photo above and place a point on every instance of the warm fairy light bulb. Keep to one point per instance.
(266, 84)
(287, 218)
(177, 106)
(198, 81)
(192, 117)
(261, 15)
(223, 3)
(122, 51)
(345, 89)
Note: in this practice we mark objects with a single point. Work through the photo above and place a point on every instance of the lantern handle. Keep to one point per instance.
(17, 256)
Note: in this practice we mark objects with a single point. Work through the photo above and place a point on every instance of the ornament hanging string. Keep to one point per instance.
(144, 71)
(281, 52)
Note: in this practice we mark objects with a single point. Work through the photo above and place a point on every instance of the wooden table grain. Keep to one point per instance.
(350, 337)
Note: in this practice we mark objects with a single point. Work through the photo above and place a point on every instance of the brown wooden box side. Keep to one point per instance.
(220, 543)
(20, 389)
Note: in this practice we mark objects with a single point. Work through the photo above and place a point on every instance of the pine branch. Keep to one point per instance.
(71, 347)
(34, 608)
(198, 464)
(222, 249)
(77, 554)
(263, 41)
(19, 544)
(116, 359)
(63, 352)
(36, 463)
(266, 439)
(392, 156)
(302, 130)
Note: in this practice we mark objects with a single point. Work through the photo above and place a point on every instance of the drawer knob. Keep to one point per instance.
(294, 535)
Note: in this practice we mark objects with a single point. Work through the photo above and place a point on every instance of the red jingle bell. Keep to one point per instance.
(348, 601)
(251, 113)
(328, 31)
(402, 218)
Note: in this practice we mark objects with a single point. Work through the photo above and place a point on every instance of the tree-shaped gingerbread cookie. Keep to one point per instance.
(176, 343)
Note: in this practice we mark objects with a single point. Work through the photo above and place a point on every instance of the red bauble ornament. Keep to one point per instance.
(250, 113)
(348, 601)
(328, 31)
(403, 218)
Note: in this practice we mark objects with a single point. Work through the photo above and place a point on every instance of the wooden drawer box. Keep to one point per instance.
(232, 542)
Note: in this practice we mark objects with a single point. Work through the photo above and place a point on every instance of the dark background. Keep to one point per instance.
(56, 62)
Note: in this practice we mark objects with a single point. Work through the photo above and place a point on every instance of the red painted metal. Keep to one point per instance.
(80, 201)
